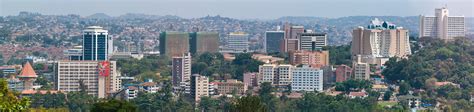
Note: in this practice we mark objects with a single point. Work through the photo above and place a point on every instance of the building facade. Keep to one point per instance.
(278, 75)
(312, 41)
(316, 59)
(174, 44)
(442, 25)
(97, 45)
(204, 42)
(361, 69)
(230, 86)
(237, 42)
(380, 40)
(343, 73)
(307, 79)
(199, 86)
(251, 79)
(273, 41)
(181, 70)
(99, 78)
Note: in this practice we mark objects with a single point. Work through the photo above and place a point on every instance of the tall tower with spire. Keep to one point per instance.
(28, 76)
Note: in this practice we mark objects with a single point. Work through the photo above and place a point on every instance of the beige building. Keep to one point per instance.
(315, 59)
(279, 75)
(98, 79)
(361, 69)
(230, 86)
(204, 42)
(380, 40)
(199, 87)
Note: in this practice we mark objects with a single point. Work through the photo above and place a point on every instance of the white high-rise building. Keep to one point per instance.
(96, 44)
(100, 78)
(307, 79)
(199, 86)
(236, 43)
(442, 25)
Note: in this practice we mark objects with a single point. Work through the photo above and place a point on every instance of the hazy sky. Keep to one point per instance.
(244, 9)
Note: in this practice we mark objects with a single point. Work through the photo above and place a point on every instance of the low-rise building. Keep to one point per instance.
(231, 86)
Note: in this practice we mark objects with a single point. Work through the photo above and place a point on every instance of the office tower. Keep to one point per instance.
(237, 42)
(199, 86)
(361, 69)
(230, 86)
(99, 78)
(204, 42)
(279, 75)
(295, 31)
(96, 44)
(28, 76)
(306, 78)
(343, 73)
(181, 73)
(442, 25)
(315, 59)
(380, 40)
(174, 43)
(312, 41)
(273, 41)
(251, 79)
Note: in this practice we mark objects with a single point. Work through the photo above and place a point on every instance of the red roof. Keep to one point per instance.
(30, 91)
(361, 94)
(27, 71)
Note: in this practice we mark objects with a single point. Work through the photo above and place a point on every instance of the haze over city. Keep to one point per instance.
(241, 9)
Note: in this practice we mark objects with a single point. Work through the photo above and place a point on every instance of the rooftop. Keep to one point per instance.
(27, 71)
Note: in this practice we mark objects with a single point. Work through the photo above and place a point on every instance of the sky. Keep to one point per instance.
(241, 9)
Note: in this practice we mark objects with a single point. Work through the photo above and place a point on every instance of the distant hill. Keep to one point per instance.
(99, 16)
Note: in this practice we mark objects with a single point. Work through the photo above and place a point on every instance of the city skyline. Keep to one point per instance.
(246, 9)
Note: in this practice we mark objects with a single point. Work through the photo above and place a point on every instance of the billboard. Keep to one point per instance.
(104, 68)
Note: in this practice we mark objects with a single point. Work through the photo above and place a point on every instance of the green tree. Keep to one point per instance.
(387, 95)
(114, 106)
(207, 104)
(249, 104)
(9, 101)
(404, 88)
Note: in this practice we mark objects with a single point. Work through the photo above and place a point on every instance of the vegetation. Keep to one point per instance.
(9, 101)
(114, 106)
(351, 85)
(437, 60)
(339, 55)
(145, 68)
(213, 64)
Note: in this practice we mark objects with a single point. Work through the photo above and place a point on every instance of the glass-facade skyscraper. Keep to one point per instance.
(95, 43)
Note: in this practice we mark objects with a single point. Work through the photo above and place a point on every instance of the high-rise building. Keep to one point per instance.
(315, 59)
(279, 75)
(329, 77)
(98, 78)
(96, 44)
(28, 76)
(312, 41)
(204, 42)
(181, 73)
(291, 41)
(237, 42)
(442, 25)
(380, 40)
(174, 43)
(274, 41)
(306, 78)
(361, 69)
(343, 73)
(230, 86)
(199, 86)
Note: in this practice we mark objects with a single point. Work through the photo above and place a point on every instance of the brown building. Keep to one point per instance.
(343, 73)
(174, 44)
(251, 79)
(204, 42)
(230, 86)
(315, 59)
